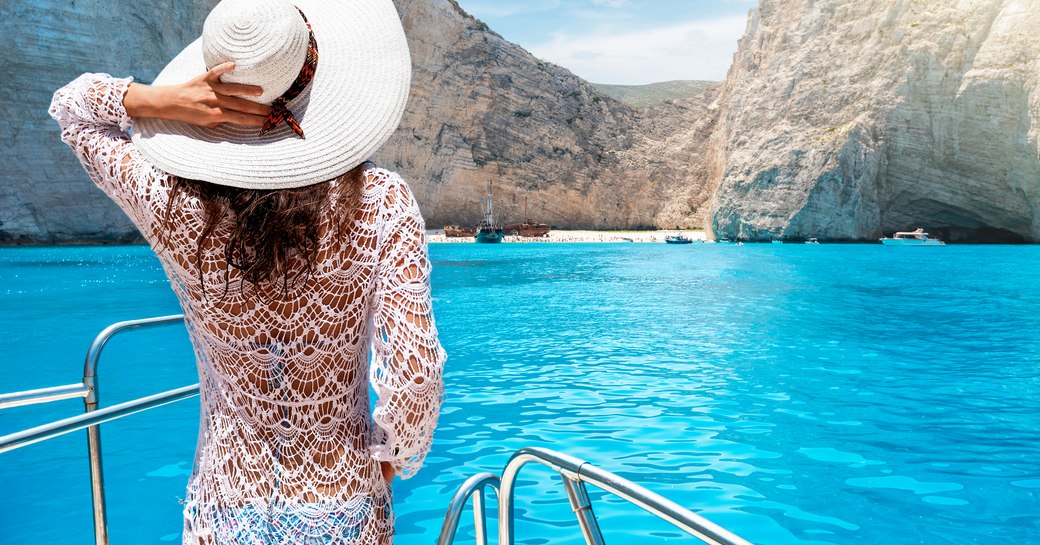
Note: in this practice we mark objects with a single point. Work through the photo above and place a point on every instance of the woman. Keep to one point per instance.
(291, 256)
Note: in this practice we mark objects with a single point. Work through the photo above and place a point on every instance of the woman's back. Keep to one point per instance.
(286, 408)
(288, 447)
(303, 277)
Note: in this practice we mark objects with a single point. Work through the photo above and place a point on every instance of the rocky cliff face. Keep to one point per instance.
(840, 119)
(849, 119)
(44, 193)
(481, 109)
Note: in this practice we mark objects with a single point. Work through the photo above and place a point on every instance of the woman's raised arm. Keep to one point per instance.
(95, 111)
(93, 123)
(204, 101)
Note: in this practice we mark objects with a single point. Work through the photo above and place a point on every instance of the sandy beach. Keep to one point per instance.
(437, 236)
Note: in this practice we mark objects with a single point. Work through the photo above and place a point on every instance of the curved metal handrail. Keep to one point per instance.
(92, 417)
(474, 486)
(575, 472)
(58, 428)
(579, 471)
(90, 403)
(90, 364)
(87, 388)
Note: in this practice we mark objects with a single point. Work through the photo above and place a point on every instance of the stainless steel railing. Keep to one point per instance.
(575, 473)
(92, 417)
(473, 487)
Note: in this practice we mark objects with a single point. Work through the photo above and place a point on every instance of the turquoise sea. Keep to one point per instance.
(795, 394)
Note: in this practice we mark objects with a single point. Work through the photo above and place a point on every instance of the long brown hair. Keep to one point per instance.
(274, 234)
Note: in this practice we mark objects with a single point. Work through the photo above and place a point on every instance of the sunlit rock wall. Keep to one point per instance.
(840, 119)
(44, 193)
(481, 109)
(849, 119)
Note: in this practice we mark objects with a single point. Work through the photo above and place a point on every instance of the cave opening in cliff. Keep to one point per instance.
(979, 235)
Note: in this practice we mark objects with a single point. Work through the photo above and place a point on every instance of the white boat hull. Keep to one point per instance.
(911, 242)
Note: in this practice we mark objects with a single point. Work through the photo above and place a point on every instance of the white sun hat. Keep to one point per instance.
(350, 108)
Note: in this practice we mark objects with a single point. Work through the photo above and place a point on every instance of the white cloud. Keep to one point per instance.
(700, 49)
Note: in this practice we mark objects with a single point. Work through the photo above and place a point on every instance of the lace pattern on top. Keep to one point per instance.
(288, 449)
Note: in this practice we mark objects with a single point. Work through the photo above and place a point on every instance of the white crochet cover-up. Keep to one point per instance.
(289, 450)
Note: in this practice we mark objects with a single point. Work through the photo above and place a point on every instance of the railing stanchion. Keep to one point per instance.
(97, 486)
(97, 469)
(582, 507)
(480, 517)
(473, 487)
(90, 404)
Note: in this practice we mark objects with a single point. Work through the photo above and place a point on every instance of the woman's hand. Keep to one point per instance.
(204, 101)
(388, 471)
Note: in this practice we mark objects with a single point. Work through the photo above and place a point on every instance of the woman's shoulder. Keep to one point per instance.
(383, 180)
(389, 189)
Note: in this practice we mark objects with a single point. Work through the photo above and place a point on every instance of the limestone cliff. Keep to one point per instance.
(840, 119)
(44, 193)
(846, 119)
(481, 109)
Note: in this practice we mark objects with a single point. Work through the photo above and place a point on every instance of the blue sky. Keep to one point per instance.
(629, 42)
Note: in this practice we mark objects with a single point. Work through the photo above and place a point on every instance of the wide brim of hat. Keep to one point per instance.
(351, 108)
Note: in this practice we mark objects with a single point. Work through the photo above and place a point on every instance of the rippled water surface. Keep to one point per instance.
(794, 394)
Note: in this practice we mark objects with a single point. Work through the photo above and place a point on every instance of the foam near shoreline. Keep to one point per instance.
(438, 236)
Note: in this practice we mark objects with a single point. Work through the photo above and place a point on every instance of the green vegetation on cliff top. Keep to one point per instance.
(641, 96)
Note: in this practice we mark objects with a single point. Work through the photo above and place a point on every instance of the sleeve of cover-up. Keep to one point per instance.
(407, 359)
(94, 123)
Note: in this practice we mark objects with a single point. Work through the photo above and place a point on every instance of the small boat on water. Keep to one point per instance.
(912, 238)
(489, 236)
(489, 232)
(678, 238)
(812, 241)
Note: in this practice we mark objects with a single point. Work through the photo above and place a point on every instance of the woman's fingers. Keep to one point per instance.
(242, 112)
(214, 102)
(243, 105)
(237, 89)
(230, 89)
(213, 74)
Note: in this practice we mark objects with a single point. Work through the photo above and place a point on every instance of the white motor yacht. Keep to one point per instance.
(912, 238)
